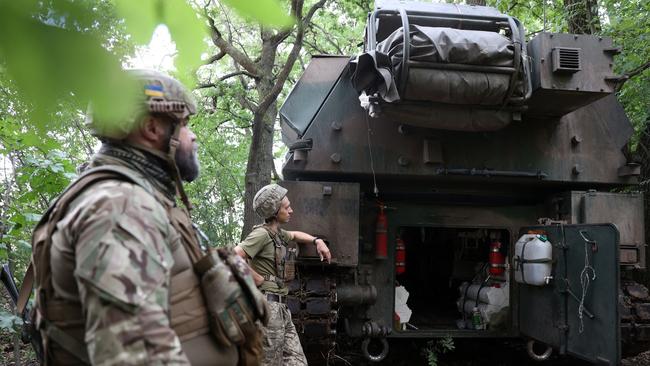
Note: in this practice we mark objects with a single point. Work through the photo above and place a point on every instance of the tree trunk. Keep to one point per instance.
(476, 2)
(582, 16)
(643, 152)
(268, 84)
(260, 164)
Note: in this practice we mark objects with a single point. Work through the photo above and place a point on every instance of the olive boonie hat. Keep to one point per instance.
(266, 202)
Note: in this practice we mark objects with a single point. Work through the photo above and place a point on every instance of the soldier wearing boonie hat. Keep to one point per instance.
(266, 249)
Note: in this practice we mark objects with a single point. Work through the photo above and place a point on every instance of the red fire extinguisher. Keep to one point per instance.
(400, 257)
(496, 259)
(381, 234)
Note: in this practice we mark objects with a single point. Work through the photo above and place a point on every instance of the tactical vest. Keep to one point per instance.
(285, 258)
(61, 321)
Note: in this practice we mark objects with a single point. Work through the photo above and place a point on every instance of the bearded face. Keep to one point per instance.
(187, 160)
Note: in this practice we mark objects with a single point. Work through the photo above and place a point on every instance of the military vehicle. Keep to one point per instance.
(471, 183)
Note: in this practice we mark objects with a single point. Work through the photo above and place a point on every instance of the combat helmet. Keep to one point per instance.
(267, 200)
(155, 93)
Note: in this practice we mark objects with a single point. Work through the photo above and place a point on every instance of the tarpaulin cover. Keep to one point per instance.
(449, 45)
(438, 45)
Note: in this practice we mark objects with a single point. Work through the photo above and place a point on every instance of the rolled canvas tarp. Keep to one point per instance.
(449, 45)
(437, 45)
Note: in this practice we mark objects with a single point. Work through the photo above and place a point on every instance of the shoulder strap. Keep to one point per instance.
(59, 207)
(279, 248)
(276, 238)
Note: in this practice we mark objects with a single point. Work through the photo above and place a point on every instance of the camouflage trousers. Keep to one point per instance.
(281, 343)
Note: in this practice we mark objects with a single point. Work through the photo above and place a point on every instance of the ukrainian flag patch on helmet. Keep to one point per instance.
(154, 90)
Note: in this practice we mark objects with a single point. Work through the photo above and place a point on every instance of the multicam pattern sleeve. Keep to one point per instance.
(123, 243)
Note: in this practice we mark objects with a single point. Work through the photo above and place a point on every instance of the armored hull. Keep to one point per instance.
(413, 166)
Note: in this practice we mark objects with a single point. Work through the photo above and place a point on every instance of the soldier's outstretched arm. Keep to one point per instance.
(321, 247)
(123, 268)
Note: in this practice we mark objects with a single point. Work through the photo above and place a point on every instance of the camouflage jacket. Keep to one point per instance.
(112, 252)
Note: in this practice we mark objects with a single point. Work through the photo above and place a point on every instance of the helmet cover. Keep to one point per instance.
(156, 93)
(267, 200)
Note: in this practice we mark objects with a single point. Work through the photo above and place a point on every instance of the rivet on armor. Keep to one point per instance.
(402, 129)
(327, 190)
(576, 169)
(336, 158)
(403, 161)
(575, 140)
(336, 126)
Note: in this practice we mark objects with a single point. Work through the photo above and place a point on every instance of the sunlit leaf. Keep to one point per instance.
(267, 12)
(188, 32)
(31, 139)
(24, 244)
(140, 16)
(49, 63)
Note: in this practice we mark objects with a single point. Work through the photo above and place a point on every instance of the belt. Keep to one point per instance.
(277, 298)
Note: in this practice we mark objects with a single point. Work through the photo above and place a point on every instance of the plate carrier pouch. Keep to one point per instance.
(51, 317)
(234, 303)
(285, 258)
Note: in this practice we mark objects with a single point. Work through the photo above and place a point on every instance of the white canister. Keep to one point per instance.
(533, 260)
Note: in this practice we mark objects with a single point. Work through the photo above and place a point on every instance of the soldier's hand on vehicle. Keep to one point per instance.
(323, 251)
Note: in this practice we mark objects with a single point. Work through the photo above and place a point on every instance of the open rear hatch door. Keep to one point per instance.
(585, 271)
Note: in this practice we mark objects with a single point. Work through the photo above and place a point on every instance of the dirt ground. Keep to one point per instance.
(470, 352)
(464, 355)
(642, 359)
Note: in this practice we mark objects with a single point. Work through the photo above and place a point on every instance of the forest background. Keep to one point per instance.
(241, 61)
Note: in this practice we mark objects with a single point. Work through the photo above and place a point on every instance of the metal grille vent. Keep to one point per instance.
(566, 60)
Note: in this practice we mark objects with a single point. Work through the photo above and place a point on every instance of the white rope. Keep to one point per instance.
(372, 163)
(585, 279)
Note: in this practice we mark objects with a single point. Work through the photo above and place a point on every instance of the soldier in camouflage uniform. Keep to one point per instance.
(113, 276)
(281, 342)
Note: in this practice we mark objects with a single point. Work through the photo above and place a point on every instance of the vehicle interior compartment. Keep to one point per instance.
(447, 269)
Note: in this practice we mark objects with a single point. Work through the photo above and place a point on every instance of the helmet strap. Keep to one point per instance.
(174, 142)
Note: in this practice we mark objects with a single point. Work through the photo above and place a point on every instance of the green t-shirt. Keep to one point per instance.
(259, 246)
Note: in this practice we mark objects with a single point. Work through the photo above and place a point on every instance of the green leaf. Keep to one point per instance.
(49, 63)
(31, 139)
(32, 217)
(267, 12)
(188, 32)
(140, 17)
(9, 322)
(23, 244)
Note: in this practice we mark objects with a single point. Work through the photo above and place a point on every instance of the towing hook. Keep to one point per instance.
(377, 357)
(538, 357)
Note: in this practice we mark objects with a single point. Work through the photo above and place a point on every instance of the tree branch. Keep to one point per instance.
(291, 59)
(315, 47)
(329, 40)
(296, 11)
(634, 72)
(229, 49)
(215, 58)
(225, 77)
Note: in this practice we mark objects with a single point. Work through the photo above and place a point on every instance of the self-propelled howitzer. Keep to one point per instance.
(471, 183)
